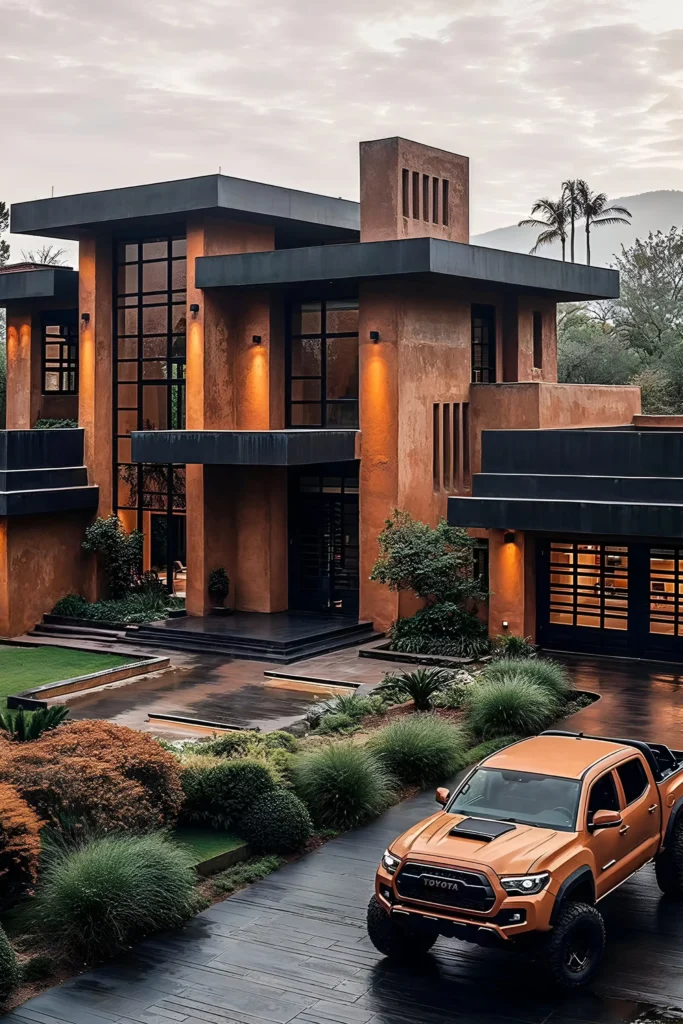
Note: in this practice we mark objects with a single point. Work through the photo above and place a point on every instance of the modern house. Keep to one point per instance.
(261, 375)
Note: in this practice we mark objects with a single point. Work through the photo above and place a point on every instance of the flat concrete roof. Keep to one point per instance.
(303, 447)
(418, 257)
(20, 286)
(142, 205)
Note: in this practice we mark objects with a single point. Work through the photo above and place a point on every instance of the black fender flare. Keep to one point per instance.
(675, 812)
(579, 877)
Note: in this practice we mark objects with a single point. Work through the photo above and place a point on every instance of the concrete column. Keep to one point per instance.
(19, 348)
(511, 582)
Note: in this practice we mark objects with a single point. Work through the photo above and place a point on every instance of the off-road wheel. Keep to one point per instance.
(669, 863)
(574, 948)
(396, 939)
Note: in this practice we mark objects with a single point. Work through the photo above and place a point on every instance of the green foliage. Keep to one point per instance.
(509, 704)
(218, 791)
(453, 696)
(119, 552)
(547, 674)
(342, 785)
(649, 312)
(97, 898)
(242, 874)
(421, 686)
(590, 350)
(137, 607)
(482, 750)
(9, 968)
(344, 711)
(336, 723)
(219, 585)
(656, 392)
(436, 562)
(441, 629)
(24, 726)
(280, 740)
(509, 645)
(419, 749)
(277, 823)
(39, 968)
(48, 424)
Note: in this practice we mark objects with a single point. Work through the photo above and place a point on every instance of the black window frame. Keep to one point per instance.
(483, 351)
(323, 336)
(67, 323)
(633, 761)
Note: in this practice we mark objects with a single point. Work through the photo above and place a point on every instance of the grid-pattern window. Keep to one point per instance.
(589, 585)
(149, 385)
(60, 355)
(483, 344)
(322, 364)
(666, 591)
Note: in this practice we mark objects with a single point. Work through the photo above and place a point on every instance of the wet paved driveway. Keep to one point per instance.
(293, 947)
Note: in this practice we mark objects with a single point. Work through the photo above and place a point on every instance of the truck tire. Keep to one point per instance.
(397, 940)
(574, 948)
(669, 863)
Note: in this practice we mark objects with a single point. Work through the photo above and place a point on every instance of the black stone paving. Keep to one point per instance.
(293, 948)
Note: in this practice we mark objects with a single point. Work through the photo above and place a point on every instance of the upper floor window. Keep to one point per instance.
(483, 344)
(60, 353)
(322, 364)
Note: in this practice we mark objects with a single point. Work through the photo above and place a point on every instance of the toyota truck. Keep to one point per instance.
(530, 842)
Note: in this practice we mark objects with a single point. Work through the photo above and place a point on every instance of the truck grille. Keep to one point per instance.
(468, 890)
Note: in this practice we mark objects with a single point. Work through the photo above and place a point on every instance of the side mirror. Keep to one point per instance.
(442, 795)
(606, 819)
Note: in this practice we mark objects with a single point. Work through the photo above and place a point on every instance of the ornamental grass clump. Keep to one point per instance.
(420, 749)
(97, 898)
(342, 785)
(547, 674)
(509, 705)
(277, 823)
(9, 968)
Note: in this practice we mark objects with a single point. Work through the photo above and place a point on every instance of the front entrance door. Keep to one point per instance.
(323, 539)
(610, 597)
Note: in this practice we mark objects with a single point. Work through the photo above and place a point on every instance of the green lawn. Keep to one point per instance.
(206, 843)
(24, 667)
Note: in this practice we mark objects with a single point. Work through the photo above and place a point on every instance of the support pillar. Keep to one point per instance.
(19, 331)
(512, 584)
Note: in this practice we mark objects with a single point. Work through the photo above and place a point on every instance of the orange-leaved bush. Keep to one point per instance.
(97, 775)
(19, 844)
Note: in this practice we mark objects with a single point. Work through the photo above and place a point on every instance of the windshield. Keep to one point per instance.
(547, 801)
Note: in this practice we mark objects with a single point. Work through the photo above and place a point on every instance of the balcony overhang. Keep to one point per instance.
(42, 472)
(21, 287)
(245, 447)
(411, 257)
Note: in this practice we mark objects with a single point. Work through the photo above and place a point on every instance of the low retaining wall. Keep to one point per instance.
(39, 696)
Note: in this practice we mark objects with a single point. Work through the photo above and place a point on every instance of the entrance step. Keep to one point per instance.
(45, 629)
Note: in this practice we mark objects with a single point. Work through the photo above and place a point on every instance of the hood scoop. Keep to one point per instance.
(482, 829)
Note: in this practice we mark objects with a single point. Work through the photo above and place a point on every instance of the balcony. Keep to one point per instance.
(42, 471)
(298, 447)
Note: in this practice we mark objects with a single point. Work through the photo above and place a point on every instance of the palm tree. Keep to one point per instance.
(595, 210)
(571, 193)
(553, 224)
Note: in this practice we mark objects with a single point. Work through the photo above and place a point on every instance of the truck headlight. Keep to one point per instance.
(389, 862)
(525, 885)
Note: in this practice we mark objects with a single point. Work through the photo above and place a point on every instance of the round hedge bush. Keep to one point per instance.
(218, 791)
(545, 673)
(420, 749)
(97, 898)
(277, 823)
(19, 844)
(9, 968)
(342, 785)
(509, 705)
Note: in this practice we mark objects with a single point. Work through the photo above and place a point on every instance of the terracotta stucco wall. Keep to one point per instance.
(512, 584)
(95, 363)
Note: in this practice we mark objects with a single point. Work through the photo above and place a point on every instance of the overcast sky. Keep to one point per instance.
(102, 93)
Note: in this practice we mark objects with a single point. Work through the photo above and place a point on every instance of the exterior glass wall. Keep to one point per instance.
(322, 364)
(149, 394)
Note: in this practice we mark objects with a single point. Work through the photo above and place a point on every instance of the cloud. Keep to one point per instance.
(98, 95)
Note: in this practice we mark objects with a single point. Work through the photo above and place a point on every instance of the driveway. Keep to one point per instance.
(293, 948)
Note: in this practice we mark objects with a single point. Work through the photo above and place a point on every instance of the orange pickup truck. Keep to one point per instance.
(527, 846)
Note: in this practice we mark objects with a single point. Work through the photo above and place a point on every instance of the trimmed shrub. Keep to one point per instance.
(93, 774)
(19, 844)
(509, 704)
(280, 740)
(421, 686)
(336, 723)
(218, 791)
(278, 823)
(231, 744)
(9, 968)
(441, 629)
(342, 785)
(420, 749)
(39, 968)
(99, 897)
(549, 675)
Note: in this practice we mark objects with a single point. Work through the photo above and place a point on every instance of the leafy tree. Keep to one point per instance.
(590, 351)
(649, 313)
(555, 217)
(596, 211)
(436, 562)
(120, 553)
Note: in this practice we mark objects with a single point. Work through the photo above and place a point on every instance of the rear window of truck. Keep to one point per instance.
(525, 798)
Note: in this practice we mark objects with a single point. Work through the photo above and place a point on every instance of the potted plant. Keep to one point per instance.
(219, 588)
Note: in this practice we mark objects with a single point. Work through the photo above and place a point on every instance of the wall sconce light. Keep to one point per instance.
(505, 623)
(509, 537)
(256, 339)
(194, 309)
(374, 337)
(85, 317)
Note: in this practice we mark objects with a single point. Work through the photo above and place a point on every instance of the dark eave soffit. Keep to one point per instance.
(244, 447)
(22, 286)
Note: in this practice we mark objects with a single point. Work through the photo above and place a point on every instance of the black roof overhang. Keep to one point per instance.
(130, 210)
(244, 447)
(414, 257)
(42, 472)
(20, 287)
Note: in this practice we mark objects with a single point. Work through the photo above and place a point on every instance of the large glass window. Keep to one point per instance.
(589, 585)
(60, 353)
(149, 394)
(548, 801)
(323, 364)
(666, 591)
(483, 344)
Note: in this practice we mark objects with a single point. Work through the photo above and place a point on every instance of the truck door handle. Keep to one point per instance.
(624, 829)
(652, 808)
